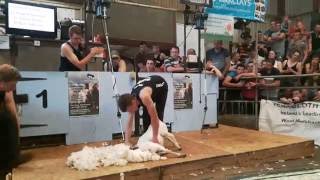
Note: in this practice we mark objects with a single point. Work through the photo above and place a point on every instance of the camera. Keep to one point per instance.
(200, 18)
(102, 7)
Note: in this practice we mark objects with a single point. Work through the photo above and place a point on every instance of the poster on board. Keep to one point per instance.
(183, 92)
(83, 93)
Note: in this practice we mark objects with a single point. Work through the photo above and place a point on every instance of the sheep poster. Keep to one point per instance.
(182, 92)
(83, 94)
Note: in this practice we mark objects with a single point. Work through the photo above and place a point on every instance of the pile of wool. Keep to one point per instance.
(90, 158)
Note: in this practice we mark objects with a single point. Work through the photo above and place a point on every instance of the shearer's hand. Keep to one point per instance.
(155, 140)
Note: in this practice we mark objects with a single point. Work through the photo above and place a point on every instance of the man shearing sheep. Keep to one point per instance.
(147, 92)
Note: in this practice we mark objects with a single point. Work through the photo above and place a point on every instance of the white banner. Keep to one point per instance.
(220, 24)
(302, 119)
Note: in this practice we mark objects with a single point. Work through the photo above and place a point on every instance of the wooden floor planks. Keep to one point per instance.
(215, 147)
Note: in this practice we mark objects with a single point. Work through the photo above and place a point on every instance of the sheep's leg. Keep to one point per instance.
(176, 154)
(171, 138)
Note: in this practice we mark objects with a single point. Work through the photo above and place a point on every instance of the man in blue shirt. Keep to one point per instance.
(219, 56)
(232, 80)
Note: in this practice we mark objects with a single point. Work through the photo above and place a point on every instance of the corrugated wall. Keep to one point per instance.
(302, 9)
(298, 7)
(272, 8)
(174, 4)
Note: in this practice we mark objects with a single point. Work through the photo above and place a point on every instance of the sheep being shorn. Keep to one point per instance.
(145, 141)
(90, 158)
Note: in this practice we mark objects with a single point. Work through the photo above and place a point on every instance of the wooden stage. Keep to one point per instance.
(221, 147)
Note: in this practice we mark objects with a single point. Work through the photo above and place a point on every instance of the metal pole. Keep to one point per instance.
(114, 80)
(185, 32)
(256, 71)
(86, 35)
(199, 61)
(205, 95)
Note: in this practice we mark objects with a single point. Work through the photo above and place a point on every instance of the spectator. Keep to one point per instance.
(119, 65)
(71, 58)
(140, 58)
(191, 51)
(317, 96)
(243, 50)
(219, 56)
(254, 58)
(292, 66)
(161, 68)
(314, 41)
(211, 69)
(263, 65)
(313, 67)
(296, 96)
(232, 80)
(272, 56)
(269, 84)
(262, 47)
(268, 33)
(150, 65)
(173, 64)
(299, 25)
(285, 24)
(157, 56)
(249, 91)
(277, 41)
(235, 60)
(297, 43)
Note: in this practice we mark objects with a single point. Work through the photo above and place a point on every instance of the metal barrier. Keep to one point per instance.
(248, 110)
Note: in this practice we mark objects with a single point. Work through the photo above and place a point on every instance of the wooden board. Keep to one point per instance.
(214, 148)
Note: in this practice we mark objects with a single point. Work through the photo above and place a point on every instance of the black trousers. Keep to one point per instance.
(160, 106)
(9, 143)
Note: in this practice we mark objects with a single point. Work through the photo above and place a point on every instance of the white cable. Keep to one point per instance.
(191, 28)
(205, 91)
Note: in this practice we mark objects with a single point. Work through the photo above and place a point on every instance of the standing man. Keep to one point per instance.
(9, 125)
(147, 92)
(219, 56)
(277, 41)
(71, 58)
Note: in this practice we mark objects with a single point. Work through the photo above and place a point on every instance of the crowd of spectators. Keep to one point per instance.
(285, 48)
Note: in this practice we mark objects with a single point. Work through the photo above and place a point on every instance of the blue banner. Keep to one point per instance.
(244, 9)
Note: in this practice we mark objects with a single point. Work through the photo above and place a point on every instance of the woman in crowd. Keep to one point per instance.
(299, 25)
(292, 66)
(273, 57)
